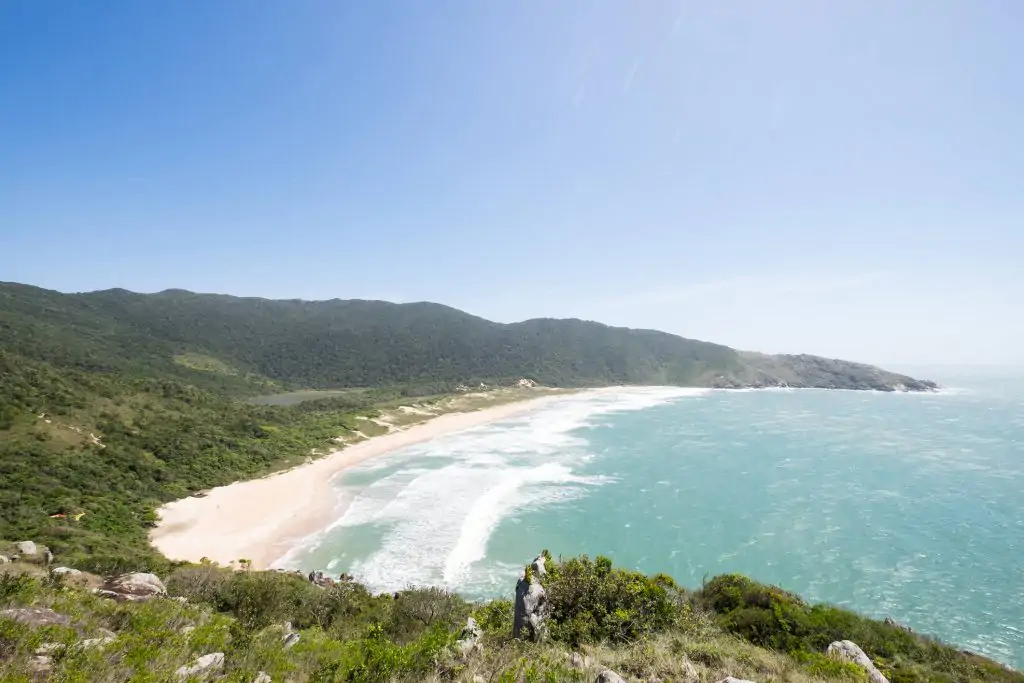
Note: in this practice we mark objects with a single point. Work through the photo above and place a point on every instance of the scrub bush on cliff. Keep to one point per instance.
(591, 601)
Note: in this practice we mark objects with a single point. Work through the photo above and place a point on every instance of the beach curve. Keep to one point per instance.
(259, 520)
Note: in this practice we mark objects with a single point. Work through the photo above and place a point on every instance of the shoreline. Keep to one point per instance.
(260, 520)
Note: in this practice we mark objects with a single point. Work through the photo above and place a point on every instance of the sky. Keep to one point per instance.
(839, 178)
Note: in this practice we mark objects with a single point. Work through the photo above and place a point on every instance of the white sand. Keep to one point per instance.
(260, 520)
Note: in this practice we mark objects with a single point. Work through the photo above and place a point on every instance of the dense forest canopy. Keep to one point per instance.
(339, 343)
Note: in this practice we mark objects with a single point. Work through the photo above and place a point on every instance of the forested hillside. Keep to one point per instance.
(250, 343)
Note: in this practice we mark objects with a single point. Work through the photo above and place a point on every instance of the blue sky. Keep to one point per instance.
(827, 177)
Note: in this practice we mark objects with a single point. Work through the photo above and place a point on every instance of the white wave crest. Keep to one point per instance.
(436, 513)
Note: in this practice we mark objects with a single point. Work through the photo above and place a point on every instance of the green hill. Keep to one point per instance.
(246, 343)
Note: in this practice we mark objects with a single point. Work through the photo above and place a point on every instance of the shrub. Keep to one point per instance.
(592, 602)
(417, 610)
(771, 617)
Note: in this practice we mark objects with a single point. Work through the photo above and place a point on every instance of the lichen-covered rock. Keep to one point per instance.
(203, 667)
(849, 651)
(27, 547)
(608, 676)
(36, 616)
(66, 571)
(469, 639)
(539, 570)
(40, 664)
(97, 643)
(889, 621)
(134, 587)
(531, 609)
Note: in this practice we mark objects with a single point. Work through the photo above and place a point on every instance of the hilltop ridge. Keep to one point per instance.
(360, 343)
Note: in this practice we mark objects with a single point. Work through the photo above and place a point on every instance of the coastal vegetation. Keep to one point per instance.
(113, 403)
(270, 626)
(258, 346)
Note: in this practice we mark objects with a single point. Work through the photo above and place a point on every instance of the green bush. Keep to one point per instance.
(591, 601)
(771, 617)
(417, 610)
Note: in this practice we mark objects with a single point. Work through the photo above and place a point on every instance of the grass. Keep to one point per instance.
(349, 634)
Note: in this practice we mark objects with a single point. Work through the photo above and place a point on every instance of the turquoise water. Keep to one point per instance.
(902, 505)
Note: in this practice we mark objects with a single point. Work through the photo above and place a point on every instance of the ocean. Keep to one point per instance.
(901, 505)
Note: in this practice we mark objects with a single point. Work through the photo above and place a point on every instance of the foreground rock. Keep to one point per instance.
(889, 621)
(203, 667)
(134, 588)
(609, 676)
(66, 571)
(469, 639)
(730, 679)
(27, 548)
(531, 606)
(37, 617)
(849, 651)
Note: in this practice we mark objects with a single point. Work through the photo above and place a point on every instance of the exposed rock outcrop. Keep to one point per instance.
(133, 587)
(37, 617)
(849, 651)
(889, 621)
(531, 604)
(27, 548)
(469, 639)
(66, 571)
(609, 676)
(203, 667)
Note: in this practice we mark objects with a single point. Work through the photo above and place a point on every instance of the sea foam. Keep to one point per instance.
(434, 506)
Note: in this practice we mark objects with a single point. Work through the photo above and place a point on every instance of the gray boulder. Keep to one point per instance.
(4, 559)
(66, 571)
(849, 651)
(134, 587)
(469, 639)
(27, 548)
(889, 621)
(539, 570)
(203, 667)
(38, 617)
(730, 679)
(578, 661)
(608, 676)
(531, 610)
(40, 664)
(262, 677)
(291, 640)
(98, 643)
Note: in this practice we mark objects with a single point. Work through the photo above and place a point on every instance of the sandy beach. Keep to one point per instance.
(261, 519)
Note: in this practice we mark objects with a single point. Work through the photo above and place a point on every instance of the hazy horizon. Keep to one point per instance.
(841, 180)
